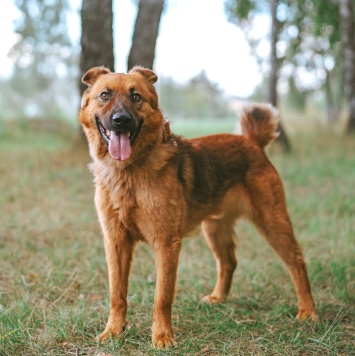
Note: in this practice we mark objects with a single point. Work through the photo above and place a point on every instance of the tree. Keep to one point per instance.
(309, 49)
(347, 14)
(274, 72)
(274, 61)
(145, 33)
(312, 35)
(240, 12)
(96, 36)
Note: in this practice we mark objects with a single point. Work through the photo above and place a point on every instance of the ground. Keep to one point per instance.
(53, 279)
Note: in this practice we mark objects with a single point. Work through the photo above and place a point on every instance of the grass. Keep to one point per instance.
(53, 279)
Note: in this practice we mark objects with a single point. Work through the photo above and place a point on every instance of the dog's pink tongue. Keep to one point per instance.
(120, 146)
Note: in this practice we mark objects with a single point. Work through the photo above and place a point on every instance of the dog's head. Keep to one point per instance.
(120, 113)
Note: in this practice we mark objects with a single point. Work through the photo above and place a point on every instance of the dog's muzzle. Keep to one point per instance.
(119, 134)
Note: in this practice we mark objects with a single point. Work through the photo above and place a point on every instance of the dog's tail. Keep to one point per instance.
(259, 122)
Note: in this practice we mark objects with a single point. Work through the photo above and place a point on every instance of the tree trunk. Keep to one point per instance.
(96, 36)
(145, 33)
(331, 110)
(346, 8)
(274, 63)
(274, 73)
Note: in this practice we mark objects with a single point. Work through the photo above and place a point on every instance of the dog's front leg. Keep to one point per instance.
(119, 247)
(167, 258)
(119, 251)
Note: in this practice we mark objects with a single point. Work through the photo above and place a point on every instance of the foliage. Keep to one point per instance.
(53, 278)
(243, 14)
(308, 45)
(312, 30)
(45, 61)
(239, 11)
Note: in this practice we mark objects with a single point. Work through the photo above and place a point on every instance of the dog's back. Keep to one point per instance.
(212, 165)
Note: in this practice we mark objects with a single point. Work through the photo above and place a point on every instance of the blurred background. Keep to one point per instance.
(210, 57)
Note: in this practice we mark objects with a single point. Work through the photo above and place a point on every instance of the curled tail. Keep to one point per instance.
(259, 122)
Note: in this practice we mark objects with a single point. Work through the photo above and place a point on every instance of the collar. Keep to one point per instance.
(166, 131)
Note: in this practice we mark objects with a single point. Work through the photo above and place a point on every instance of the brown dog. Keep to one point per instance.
(156, 187)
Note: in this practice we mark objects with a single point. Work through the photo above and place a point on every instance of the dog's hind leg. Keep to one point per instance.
(271, 218)
(221, 238)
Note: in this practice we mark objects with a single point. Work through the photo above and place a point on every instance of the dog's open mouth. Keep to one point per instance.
(119, 142)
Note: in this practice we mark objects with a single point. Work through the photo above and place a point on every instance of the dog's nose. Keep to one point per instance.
(121, 119)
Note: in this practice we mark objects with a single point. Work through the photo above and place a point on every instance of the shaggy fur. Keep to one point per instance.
(157, 187)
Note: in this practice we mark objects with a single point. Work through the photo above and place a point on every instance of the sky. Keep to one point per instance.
(194, 36)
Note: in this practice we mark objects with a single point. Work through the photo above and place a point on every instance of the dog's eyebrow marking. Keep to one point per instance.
(133, 91)
(105, 89)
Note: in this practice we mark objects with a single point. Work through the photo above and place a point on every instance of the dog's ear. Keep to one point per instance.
(84, 100)
(149, 75)
(90, 77)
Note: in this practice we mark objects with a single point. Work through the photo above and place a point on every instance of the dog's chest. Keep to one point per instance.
(141, 201)
(134, 191)
(114, 193)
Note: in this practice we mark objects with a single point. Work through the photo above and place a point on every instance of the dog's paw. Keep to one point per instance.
(109, 332)
(103, 337)
(163, 341)
(304, 314)
(211, 299)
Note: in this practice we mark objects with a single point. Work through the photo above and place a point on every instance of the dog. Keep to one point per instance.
(157, 187)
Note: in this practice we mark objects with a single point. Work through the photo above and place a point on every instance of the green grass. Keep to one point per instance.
(200, 127)
(53, 279)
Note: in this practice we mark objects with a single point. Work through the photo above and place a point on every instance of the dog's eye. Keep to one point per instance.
(105, 95)
(136, 97)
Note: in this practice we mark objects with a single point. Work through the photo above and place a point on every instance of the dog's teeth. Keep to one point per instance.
(129, 134)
